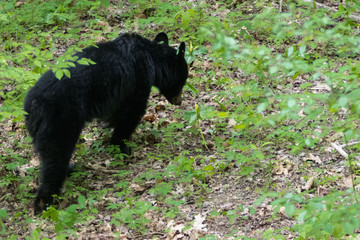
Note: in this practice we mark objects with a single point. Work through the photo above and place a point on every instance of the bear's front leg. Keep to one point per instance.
(125, 121)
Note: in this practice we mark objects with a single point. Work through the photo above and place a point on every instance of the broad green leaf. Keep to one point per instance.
(67, 73)
(185, 18)
(192, 88)
(222, 106)
(81, 200)
(301, 216)
(302, 50)
(59, 74)
(295, 75)
(290, 208)
(290, 51)
(240, 126)
(223, 114)
(291, 103)
(261, 107)
(273, 70)
(342, 102)
(3, 213)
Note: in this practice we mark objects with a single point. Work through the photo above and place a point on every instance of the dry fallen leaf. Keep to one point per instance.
(232, 122)
(309, 183)
(137, 187)
(102, 23)
(149, 118)
(315, 158)
(100, 39)
(198, 224)
(283, 167)
(160, 108)
(177, 232)
(34, 162)
(348, 181)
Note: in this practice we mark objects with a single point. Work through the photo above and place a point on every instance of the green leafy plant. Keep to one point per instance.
(65, 219)
(195, 116)
(133, 214)
(334, 215)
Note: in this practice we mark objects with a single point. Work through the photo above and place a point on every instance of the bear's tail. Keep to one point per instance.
(32, 118)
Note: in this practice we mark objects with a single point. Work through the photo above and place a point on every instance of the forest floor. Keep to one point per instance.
(220, 204)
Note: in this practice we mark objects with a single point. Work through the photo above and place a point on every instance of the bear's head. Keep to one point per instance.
(178, 72)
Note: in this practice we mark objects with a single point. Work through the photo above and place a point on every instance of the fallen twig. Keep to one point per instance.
(340, 150)
(349, 144)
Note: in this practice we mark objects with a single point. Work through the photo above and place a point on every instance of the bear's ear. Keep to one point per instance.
(181, 50)
(162, 37)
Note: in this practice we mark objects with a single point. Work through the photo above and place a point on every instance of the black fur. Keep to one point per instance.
(115, 89)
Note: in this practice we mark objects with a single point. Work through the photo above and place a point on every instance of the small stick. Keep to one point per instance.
(349, 144)
(340, 150)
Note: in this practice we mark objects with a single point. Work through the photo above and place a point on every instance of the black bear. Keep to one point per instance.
(115, 89)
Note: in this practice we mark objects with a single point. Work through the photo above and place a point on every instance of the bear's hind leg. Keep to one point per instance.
(55, 146)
